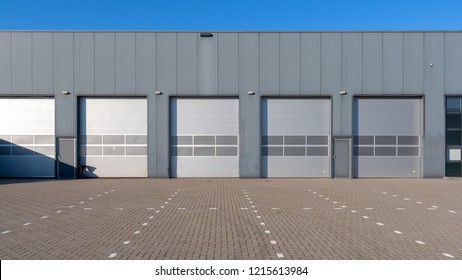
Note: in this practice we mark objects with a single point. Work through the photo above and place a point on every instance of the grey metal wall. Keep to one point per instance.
(231, 64)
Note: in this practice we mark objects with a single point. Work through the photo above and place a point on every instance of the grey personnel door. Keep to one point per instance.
(342, 158)
(66, 158)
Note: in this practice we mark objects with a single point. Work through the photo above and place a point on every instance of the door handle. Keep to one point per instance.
(335, 157)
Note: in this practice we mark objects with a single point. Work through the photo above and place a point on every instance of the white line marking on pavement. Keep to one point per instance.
(400, 208)
(447, 255)
(149, 208)
(306, 208)
(98, 195)
(87, 209)
(112, 255)
(406, 198)
(384, 192)
(418, 202)
(431, 208)
(166, 202)
(145, 224)
(112, 190)
(273, 242)
(181, 209)
(309, 190)
(280, 255)
(434, 206)
(169, 198)
(365, 217)
(72, 206)
(162, 206)
(398, 232)
(106, 192)
(44, 217)
(327, 198)
(126, 242)
(248, 198)
(244, 208)
(262, 224)
(338, 208)
(152, 217)
(82, 202)
(6, 231)
(258, 217)
(212, 208)
(369, 208)
(353, 211)
(267, 232)
(26, 224)
(253, 206)
(321, 195)
(315, 193)
(394, 195)
(136, 232)
(157, 211)
(250, 202)
(59, 211)
(419, 242)
(452, 211)
(343, 206)
(275, 208)
(119, 209)
(380, 224)
(255, 211)
(91, 198)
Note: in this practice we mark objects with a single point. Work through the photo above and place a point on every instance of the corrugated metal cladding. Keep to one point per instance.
(231, 64)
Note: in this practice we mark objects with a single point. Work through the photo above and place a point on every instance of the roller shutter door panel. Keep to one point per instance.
(113, 137)
(387, 137)
(295, 137)
(204, 137)
(27, 137)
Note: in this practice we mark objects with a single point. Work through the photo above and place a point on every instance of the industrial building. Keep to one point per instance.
(230, 104)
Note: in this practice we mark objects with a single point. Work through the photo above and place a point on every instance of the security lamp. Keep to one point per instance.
(343, 92)
(250, 92)
(206, 34)
(65, 92)
(158, 92)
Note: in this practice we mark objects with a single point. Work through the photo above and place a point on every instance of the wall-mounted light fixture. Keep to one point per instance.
(251, 92)
(158, 92)
(342, 92)
(65, 92)
(206, 34)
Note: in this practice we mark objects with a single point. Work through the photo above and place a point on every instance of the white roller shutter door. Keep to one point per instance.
(387, 137)
(27, 137)
(204, 137)
(113, 137)
(295, 137)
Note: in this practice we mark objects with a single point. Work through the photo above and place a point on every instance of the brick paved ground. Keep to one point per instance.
(231, 219)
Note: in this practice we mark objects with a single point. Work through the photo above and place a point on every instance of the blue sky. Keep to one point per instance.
(230, 15)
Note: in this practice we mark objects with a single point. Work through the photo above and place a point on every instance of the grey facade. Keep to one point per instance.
(426, 65)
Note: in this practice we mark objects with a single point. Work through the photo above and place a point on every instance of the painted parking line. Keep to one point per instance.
(59, 211)
(150, 208)
(369, 208)
(419, 202)
(397, 232)
(181, 209)
(244, 208)
(400, 208)
(112, 255)
(258, 217)
(434, 206)
(157, 211)
(137, 232)
(91, 198)
(279, 255)
(126, 242)
(98, 195)
(82, 202)
(275, 208)
(5, 232)
(145, 224)
(44, 217)
(394, 195)
(419, 242)
(255, 211)
(365, 217)
(343, 206)
(27, 224)
(452, 211)
(212, 208)
(431, 208)
(447, 255)
(406, 198)
(273, 242)
(152, 217)
(267, 232)
(353, 211)
(338, 208)
(380, 224)
(87, 209)
(306, 208)
(119, 209)
(262, 224)
(72, 206)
